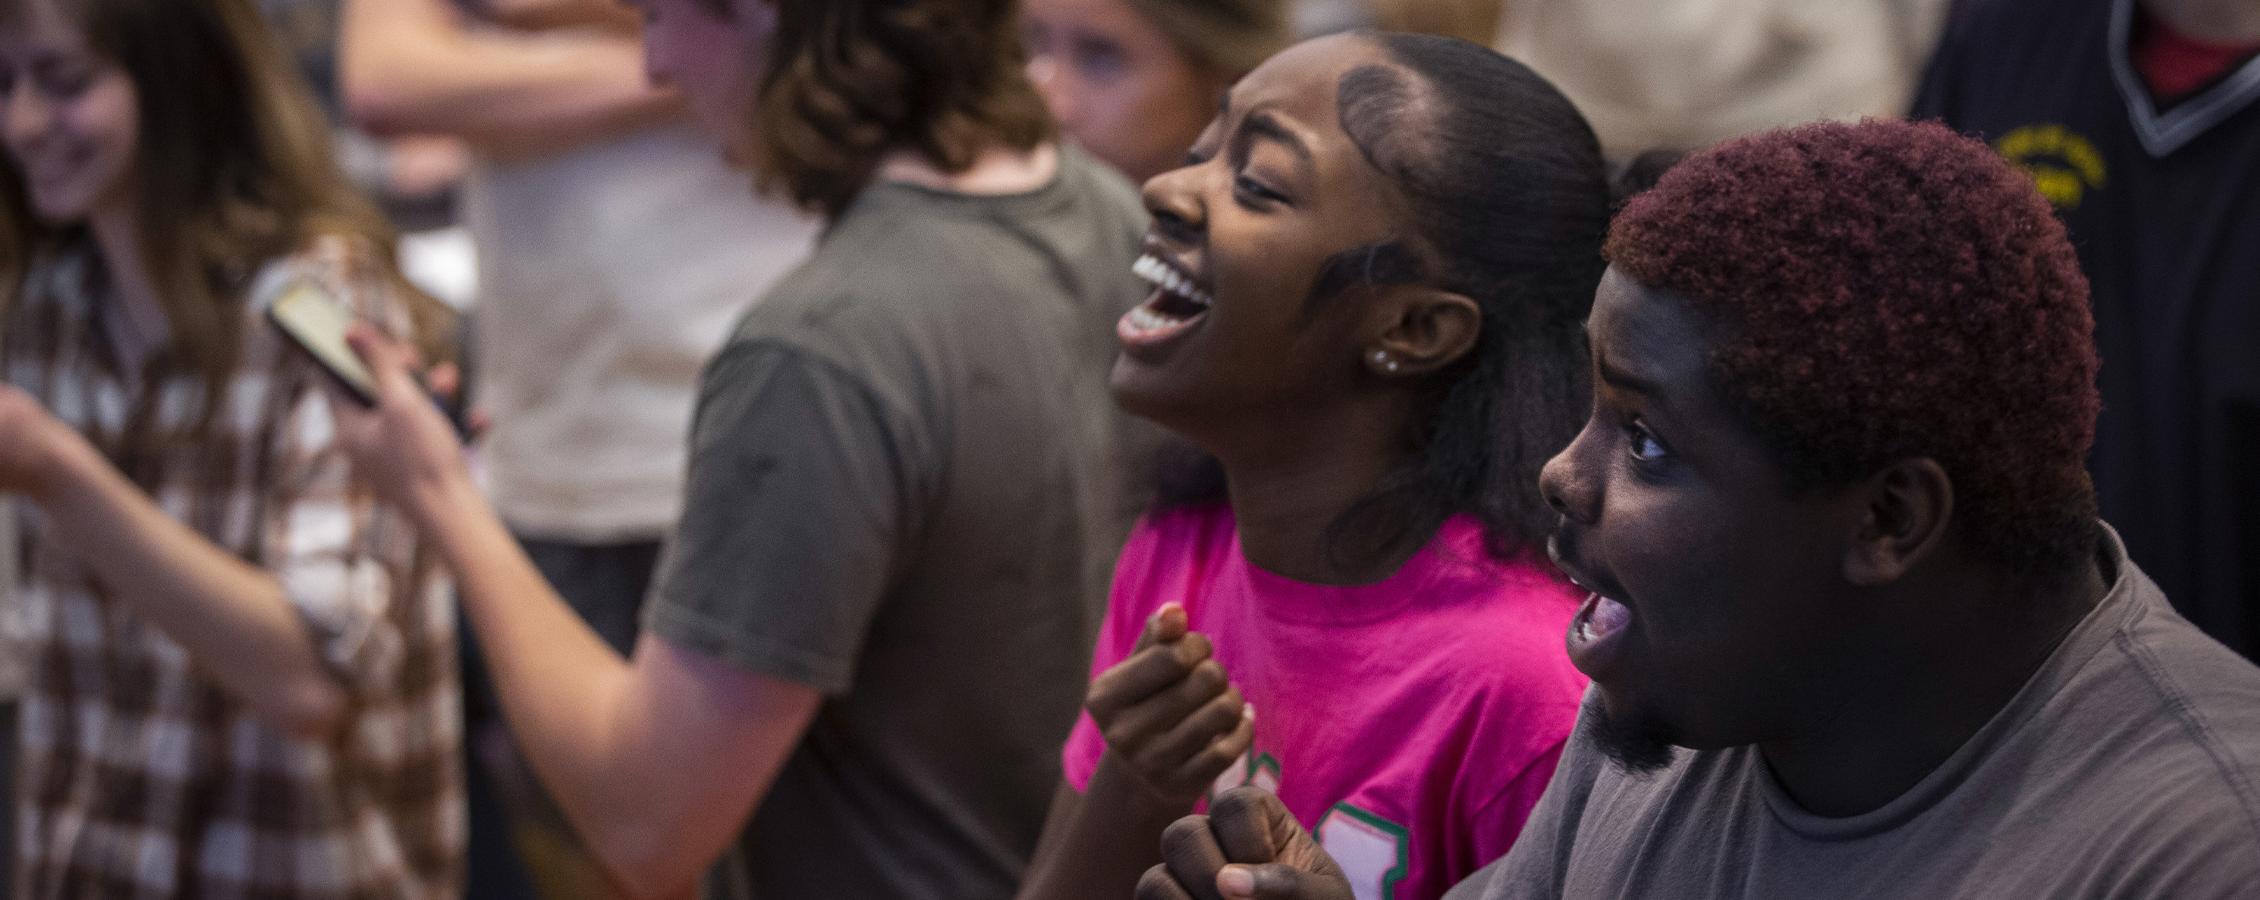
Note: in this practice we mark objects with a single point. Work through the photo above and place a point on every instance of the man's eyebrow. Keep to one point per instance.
(1620, 379)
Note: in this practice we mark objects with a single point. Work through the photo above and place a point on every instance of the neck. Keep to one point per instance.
(1287, 492)
(995, 171)
(2213, 21)
(117, 236)
(1916, 695)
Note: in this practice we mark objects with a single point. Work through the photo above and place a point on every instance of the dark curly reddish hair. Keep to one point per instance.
(1889, 290)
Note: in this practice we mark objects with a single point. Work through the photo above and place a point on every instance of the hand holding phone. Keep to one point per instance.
(316, 321)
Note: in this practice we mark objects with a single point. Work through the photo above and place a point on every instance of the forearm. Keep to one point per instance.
(572, 702)
(1098, 844)
(231, 617)
(560, 684)
(405, 67)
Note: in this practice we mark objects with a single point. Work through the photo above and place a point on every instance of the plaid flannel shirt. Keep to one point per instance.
(139, 777)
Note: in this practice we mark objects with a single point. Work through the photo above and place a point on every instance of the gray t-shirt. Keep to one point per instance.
(902, 473)
(2128, 767)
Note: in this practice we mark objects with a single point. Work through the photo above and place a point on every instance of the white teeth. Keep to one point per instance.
(1145, 319)
(1166, 277)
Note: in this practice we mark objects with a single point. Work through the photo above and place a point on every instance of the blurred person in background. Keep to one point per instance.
(615, 250)
(1675, 75)
(866, 644)
(243, 666)
(2140, 121)
(412, 177)
(1135, 81)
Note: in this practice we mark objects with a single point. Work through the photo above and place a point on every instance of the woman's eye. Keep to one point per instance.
(1252, 189)
(68, 83)
(1098, 60)
(1642, 443)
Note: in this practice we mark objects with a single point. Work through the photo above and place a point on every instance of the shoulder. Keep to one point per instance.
(2152, 745)
(2194, 711)
(1103, 186)
(1495, 652)
(1518, 606)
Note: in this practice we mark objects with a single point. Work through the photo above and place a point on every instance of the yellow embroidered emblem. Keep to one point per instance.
(2065, 165)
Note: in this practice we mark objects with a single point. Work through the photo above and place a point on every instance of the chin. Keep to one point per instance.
(63, 211)
(1132, 386)
(1634, 739)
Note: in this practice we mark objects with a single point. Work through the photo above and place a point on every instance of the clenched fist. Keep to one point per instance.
(1247, 848)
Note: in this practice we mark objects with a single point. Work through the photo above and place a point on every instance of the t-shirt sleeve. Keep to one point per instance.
(800, 497)
(1131, 601)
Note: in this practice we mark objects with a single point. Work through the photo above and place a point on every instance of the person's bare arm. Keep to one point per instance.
(230, 616)
(420, 67)
(657, 760)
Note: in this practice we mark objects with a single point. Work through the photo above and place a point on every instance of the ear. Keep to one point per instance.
(1908, 507)
(1423, 329)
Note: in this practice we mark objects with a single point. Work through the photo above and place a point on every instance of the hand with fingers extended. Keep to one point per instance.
(1248, 847)
(1171, 718)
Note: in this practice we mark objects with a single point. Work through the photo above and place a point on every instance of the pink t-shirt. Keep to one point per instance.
(1410, 724)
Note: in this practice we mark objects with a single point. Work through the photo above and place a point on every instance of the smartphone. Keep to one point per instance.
(316, 321)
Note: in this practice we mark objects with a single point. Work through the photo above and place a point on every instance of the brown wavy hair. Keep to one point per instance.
(236, 169)
(850, 81)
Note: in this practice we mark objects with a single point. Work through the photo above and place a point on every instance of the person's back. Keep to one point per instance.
(971, 333)
(608, 274)
(2128, 767)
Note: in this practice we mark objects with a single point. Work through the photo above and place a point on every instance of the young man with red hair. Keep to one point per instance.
(1855, 630)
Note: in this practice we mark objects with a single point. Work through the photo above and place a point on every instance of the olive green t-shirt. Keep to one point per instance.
(904, 492)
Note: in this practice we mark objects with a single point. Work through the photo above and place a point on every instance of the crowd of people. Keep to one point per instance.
(1173, 449)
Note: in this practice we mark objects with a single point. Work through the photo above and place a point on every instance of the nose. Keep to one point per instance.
(655, 68)
(26, 115)
(1571, 483)
(1173, 198)
(1050, 79)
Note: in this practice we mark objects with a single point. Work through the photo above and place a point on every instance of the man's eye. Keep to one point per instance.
(1642, 443)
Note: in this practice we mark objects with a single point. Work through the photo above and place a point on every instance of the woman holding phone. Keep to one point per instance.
(243, 675)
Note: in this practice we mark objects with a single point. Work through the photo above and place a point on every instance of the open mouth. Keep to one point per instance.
(1596, 634)
(1177, 303)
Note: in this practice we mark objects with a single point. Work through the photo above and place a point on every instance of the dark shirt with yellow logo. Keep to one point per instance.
(2163, 202)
